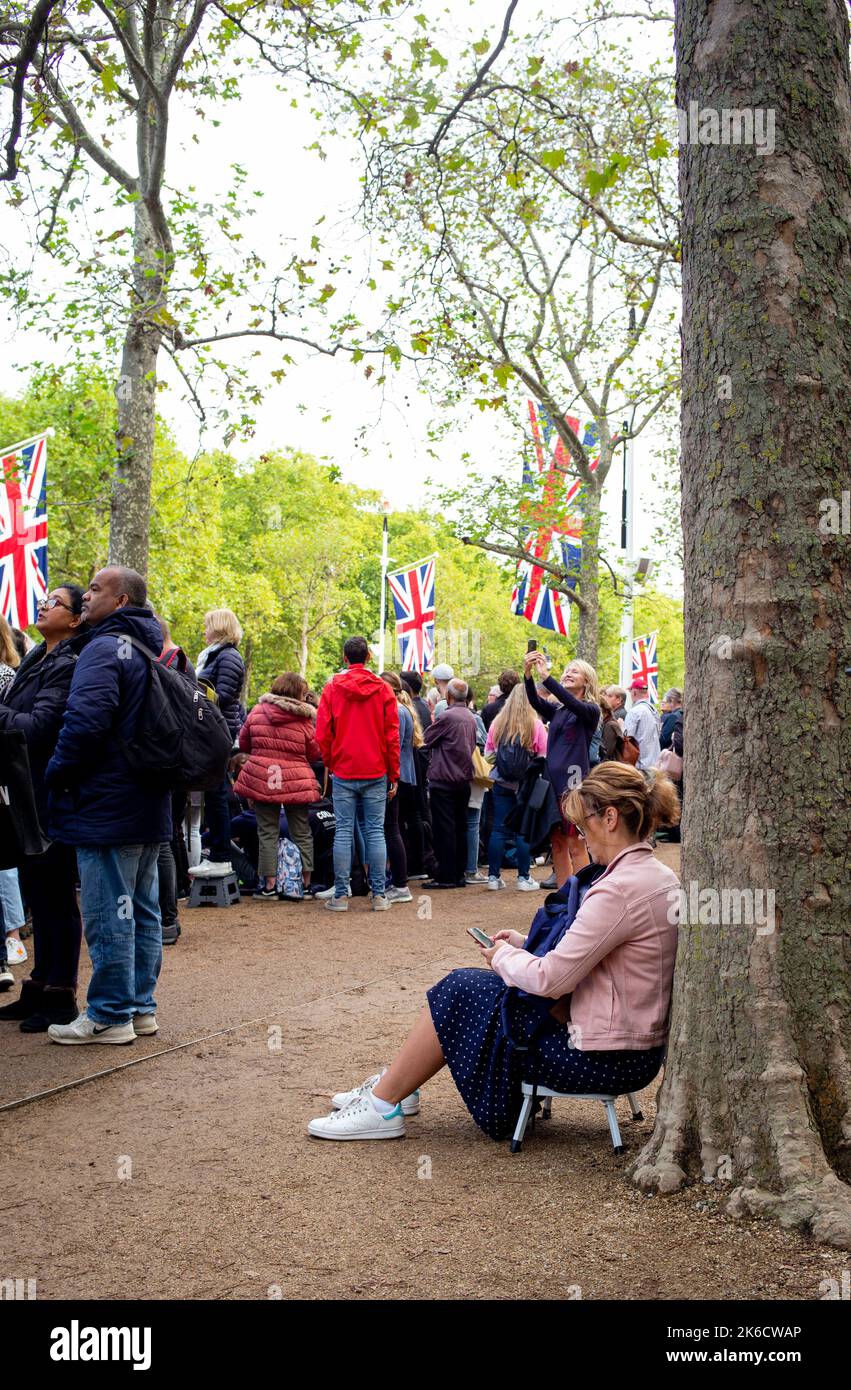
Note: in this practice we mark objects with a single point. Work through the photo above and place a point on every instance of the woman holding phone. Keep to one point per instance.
(572, 716)
(593, 1015)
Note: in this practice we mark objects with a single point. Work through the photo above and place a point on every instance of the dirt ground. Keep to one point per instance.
(189, 1174)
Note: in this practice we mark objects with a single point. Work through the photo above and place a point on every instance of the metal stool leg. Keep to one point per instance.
(634, 1107)
(613, 1126)
(522, 1121)
(547, 1110)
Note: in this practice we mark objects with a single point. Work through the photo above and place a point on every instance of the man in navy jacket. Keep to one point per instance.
(116, 826)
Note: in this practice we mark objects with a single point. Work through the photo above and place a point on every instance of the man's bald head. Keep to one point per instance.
(113, 588)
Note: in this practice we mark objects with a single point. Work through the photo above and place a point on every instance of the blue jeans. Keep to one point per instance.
(474, 816)
(119, 898)
(503, 801)
(348, 795)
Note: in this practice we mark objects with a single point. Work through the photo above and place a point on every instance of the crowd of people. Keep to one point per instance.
(378, 781)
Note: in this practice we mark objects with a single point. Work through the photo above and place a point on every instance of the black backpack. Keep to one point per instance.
(181, 738)
(512, 761)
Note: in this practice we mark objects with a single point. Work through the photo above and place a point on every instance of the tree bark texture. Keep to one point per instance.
(757, 1091)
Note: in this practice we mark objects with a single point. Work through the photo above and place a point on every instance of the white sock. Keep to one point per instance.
(383, 1107)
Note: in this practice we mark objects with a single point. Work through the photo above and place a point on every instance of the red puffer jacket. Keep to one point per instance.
(278, 736)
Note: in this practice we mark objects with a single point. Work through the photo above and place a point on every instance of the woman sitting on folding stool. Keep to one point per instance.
(589, 1015)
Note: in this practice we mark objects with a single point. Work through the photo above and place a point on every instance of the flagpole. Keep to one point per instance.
(49, 433)
(628, 543)
(383, 606)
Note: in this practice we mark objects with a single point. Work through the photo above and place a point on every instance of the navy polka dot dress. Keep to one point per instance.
(471, 1008)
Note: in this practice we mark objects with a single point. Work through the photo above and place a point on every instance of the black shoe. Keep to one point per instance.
(433, 883)
(265, 892)
(550, 882)
(171, 933)
(29, 1001)
(7, 979)
(57, 1006)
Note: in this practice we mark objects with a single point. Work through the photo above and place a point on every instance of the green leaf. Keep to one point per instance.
(552, 159)
(411, 118)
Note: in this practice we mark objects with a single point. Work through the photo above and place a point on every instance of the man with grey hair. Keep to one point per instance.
(451, 740)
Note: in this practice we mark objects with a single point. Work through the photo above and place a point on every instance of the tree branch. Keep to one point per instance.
(517, 553)
(35, 31)
(476, 83)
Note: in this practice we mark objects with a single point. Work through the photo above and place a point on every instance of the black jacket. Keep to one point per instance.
(224, 670)
(536, 812)
(35, 703)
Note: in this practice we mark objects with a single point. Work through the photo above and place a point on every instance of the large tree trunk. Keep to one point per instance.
(589, 579)
(757, 1092)
(136, 393)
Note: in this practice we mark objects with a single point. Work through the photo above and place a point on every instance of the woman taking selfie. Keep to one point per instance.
(572, 720)
(594, 1015)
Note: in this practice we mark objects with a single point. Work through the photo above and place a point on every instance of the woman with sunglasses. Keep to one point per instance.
(35, 703)
(589, 1010)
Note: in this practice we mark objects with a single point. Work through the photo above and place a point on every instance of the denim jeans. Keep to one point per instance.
(503, 801)
(119, 897)
(10, 893)
(474, 816)
(348, 794)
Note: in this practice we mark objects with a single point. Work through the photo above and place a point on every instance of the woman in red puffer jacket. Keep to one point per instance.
(278, 737)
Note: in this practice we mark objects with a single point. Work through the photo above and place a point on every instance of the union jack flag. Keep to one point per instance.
(644, 663)
(23, 532)
(412, 591)
(557, 535)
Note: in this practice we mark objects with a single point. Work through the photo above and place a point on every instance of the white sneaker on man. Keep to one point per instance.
(325, 893)
(398, 895)
(144, 1025)
(410, 1105)
(336, 904)
(475, 878)
(85, 1030)
(359, 1120)
(495, 883)
(16, 951)
(528, 885)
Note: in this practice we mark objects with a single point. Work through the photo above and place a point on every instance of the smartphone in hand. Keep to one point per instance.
(481, 937)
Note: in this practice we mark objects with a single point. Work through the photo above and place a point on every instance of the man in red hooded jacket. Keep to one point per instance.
(357, 729)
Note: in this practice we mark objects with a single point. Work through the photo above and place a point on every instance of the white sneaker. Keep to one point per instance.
(410, 1105)
(336, 904)
(145, 1024)
(476, 877)
(209, 868)
(494, 883)
(359, 1120)
(325, 893)
(528, 885)
(381, 903)
(16, 951)
(399, 895)
(85, 1030)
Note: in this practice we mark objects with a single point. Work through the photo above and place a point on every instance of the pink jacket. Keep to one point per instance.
(539, 740)
(616, 961)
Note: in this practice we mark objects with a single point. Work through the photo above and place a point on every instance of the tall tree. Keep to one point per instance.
(757, 1090)
(95, 87)
(536, 238)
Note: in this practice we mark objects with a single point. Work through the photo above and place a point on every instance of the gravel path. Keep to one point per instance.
(191, 1175)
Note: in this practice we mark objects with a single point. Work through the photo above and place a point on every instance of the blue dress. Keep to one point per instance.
(482, 1025)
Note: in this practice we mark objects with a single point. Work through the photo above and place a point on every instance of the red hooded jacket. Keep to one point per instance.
(357, 726)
